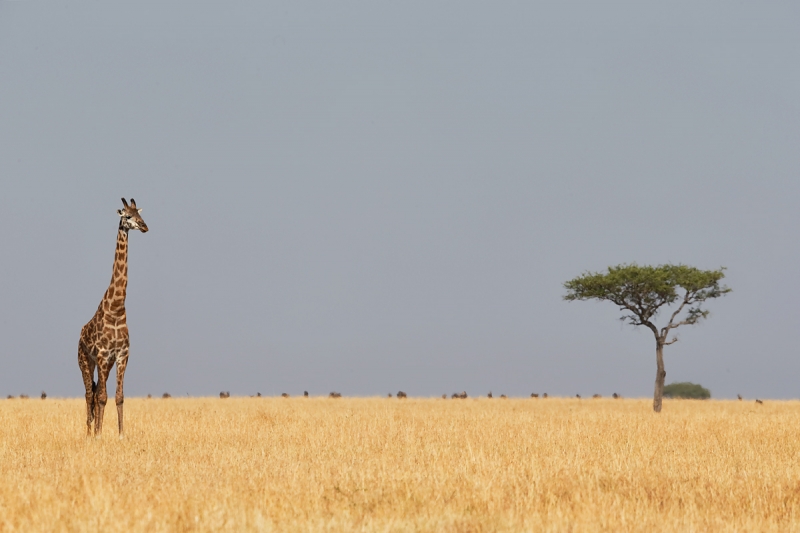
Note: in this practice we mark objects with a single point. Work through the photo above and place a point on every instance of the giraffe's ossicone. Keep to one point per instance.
(104, 339)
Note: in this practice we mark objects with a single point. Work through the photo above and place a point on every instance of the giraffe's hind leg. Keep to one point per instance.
(104, 363)
(87, 365)
(122, 363)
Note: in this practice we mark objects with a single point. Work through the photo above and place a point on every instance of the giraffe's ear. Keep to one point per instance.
(139, 209)
(119, 212)
(124, 202)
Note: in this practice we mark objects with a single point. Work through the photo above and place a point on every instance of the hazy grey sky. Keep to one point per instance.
(366, 197)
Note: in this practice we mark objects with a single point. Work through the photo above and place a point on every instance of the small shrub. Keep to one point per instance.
(686, 390)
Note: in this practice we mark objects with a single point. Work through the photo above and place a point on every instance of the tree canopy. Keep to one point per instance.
(641, 291)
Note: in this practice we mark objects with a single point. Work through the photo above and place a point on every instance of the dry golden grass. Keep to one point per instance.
(378, 464)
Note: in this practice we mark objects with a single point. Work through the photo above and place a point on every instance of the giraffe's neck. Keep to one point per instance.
(114, 300)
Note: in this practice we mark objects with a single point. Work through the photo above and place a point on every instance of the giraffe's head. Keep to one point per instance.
(130, 217)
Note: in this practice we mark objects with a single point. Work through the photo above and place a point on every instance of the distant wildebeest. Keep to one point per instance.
(503, 397)
(389, 395)
(335, 395)
(578, 396)
(739, 396)
(258, 395)
(44, 395)
(284, 395)
(401, 394)
(166, 395)
(596, 396)
(462, 395)
(489, 395)
(224, 394)
(149, 396)
(758, 401)
(616, 396)
(444, 396)
(23, 396)
(534, 395)
(544, 395)
(305, 394)
(9, 397)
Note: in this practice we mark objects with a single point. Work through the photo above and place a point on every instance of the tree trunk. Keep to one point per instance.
(660, 375)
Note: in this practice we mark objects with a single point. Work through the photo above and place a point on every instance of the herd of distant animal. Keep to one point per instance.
(400, 395)
(104, 339)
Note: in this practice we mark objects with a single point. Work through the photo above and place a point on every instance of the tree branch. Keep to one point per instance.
(653, 328)
(681, 323)
(686, 300)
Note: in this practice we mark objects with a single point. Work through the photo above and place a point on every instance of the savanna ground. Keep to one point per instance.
(379, 464)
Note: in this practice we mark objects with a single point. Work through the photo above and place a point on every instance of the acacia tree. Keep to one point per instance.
(641, 292)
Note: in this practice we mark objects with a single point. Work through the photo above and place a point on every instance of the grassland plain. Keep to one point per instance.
(379, 464)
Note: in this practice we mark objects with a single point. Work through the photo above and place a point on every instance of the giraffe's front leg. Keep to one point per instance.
(87, 370)
(101, 397)
(122, 363)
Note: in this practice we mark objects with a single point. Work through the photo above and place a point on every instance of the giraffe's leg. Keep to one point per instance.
(103, 369)
(87, 370)
(122, 363)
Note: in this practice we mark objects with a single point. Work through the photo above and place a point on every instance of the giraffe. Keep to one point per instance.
(104, 339)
